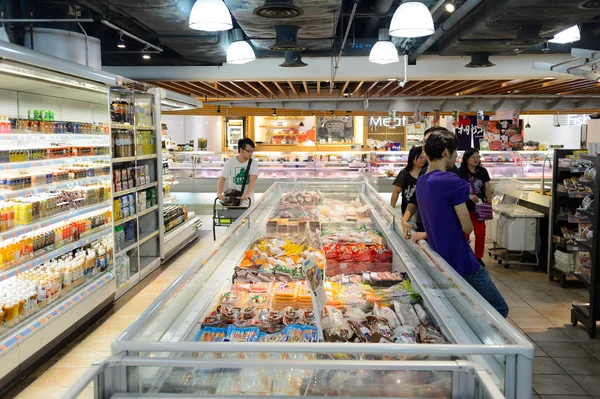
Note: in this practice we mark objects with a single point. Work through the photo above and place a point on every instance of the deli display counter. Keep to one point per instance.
(378, 316)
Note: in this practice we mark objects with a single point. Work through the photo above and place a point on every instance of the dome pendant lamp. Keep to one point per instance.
(412, 19)
(239, 51)
(210, 16)
(384, 51)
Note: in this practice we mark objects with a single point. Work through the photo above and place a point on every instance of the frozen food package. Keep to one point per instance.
(287, 386)
(430, 335)
(387, 314)
(405, 335)
(406, 314)
(422, 314)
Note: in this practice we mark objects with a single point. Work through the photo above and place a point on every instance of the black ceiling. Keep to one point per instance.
(488, 28)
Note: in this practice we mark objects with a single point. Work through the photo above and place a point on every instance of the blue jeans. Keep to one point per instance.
(481, 281)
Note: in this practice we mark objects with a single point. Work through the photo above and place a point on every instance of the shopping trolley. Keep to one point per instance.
(225, 216)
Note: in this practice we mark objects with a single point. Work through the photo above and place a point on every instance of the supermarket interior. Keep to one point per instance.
(218, 199)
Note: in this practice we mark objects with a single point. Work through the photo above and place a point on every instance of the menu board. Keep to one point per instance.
(335, 130)
(504, 135)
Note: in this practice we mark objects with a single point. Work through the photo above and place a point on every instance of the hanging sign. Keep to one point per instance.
(503, 135)
(436, 117)
(388, 122)
(469, 132)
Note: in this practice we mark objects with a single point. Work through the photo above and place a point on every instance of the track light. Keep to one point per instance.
(145, 55)
(210, 16)
(569, 35)
(274, 111)
(121, 42)
(450, 7)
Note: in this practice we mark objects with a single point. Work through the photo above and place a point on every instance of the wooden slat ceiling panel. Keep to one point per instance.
(439, 88)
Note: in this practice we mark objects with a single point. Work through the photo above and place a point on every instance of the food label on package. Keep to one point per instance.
(315, 276)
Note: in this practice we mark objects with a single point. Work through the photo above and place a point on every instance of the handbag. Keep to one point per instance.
(232, 196)
(483, 210)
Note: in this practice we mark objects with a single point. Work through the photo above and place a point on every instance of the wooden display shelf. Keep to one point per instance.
(302, 148)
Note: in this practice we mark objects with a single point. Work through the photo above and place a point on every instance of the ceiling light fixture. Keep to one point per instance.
(332, 113)
(557, 124)
(239, 51)
(569, 35)
(145, 54)
(121, 42)
(384, 51)
(210, 16)
(218, 109)
(450, 7)
(301, 120)
(412, 19)
(274, 111)
(527, 126)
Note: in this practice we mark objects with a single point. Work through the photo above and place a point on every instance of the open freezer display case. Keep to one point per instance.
(398, 320)
(56, 246)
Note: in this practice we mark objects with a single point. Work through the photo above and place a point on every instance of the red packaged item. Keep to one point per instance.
(361, 253)
(345, 253)
(330, 251)
(381, 253)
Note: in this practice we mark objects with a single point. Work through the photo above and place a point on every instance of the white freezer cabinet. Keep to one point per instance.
(483, 357)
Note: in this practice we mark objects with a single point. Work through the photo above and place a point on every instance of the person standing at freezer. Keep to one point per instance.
(443, 200)
(234, 171)
(405, 182)
(478, 179)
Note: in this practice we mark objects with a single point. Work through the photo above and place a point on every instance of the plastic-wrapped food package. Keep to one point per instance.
(406, 314)
(422, 314)
(405, 335)
(387, 314)
(430, 335)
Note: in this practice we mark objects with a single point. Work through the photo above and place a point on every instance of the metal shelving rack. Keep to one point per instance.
(588, 313)
(145, 250)
(572, 201)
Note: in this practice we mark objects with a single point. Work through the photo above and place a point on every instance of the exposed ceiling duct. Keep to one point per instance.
(317, 24)
(293, 59)
(286, 38)
(480, 60)
(496, 26)
(278, 9)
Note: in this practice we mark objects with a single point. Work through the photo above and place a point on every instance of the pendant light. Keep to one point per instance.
(239, 51)
(412, 19)
(569, 35)
(384, 51)
(527, 126)
(210, 16)
(302, 120)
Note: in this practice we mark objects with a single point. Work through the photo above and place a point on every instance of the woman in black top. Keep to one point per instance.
(478, 179)
(406, 181)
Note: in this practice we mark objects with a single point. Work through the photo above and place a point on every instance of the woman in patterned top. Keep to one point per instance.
(478, 179)
(406, 181)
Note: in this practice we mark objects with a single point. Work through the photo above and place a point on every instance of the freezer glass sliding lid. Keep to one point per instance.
(317, 273)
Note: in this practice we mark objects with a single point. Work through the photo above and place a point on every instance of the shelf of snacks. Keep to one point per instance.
(377, 294)
(136, 169)
(572, 204)
(579, 228)
(56, 245)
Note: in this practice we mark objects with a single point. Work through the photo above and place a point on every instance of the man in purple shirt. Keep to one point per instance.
(442, 198)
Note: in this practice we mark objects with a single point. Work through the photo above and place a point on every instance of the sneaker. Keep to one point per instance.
(481, 262)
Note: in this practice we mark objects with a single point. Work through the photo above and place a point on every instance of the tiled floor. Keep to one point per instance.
(567, 362)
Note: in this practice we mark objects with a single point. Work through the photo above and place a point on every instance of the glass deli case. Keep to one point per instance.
(390, 319)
